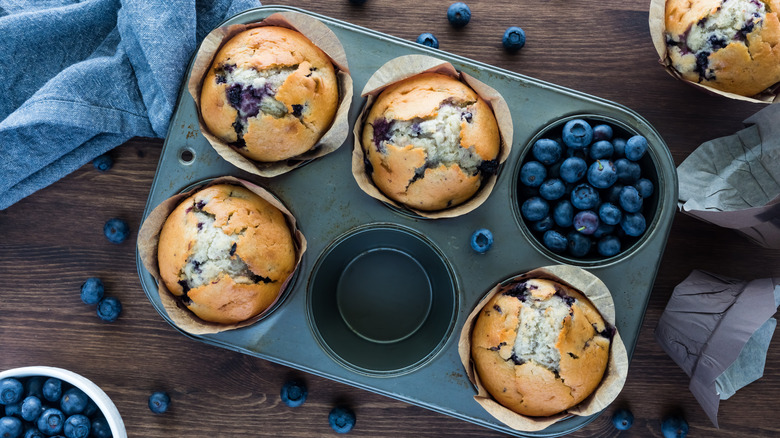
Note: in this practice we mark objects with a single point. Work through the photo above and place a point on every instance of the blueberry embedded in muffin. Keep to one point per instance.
(731, 45)
(226, 252)
(429, 141)
(270, 93)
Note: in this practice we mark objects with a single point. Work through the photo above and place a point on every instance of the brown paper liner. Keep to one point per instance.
(322, 37)
(149, 236)
(657, 22)
(405, 67)
(617, 367)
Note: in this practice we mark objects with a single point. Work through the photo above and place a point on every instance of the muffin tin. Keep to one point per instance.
(365, 258)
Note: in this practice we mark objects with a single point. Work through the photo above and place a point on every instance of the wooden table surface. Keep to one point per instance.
(52, 241)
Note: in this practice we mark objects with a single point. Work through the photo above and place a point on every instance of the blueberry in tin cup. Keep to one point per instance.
(226, 253)
(430, 141)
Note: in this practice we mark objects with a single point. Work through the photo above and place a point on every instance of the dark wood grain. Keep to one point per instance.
(51, 241)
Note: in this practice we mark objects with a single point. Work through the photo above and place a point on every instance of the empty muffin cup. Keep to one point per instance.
(543, 222)
(381, 300)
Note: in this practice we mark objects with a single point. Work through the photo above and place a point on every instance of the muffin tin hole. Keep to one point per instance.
(186, 155)
(649, 165)
(382, 300)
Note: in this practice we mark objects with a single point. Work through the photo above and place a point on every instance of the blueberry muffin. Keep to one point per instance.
(270, 93)
(730, 45)
(226, 252)
(540, 347)
(429, 141)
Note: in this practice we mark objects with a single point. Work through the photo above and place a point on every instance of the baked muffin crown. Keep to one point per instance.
(270, 93)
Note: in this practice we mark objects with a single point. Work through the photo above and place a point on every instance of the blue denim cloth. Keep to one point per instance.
(80, 78)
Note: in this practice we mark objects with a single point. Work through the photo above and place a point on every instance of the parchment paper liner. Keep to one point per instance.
(614, 376)
(405, 67)
(149, 236)
(657, 22)
(323, 38)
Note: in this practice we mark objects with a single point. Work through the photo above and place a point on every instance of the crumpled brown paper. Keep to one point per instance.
(617, 367)
(734, 181)
(717, 329)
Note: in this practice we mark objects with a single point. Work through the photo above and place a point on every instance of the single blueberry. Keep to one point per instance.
(109, 308)
(628, 171)
(609, 246)
(103, 163)
(602, 174)
(630, 199)
(116, 230)
(645, 187)
(573, 169)
(586, 222)
(100, 428)
(636, 147)
(554, 241)
(77, 426)
(33, 386)
(294, 393)
(92, 290)
(13, 410)
(51, 421)
(514, 38)
(10, 427)
(674, 426)
(427, 39)
(619, 145)
(159, 402)
(633, 224)
(533, 174)
(547, 151)
(341, 419)
(543, 224)
(459, 14)
(481, 240)
(73, 401)
(585, 197)
(11, 391)
(610, 214)
(622, 418)
(52, 389)
(32, 407)
(602, 132)
(563, 214)
(603, 230)
(535, 209)
(91, 409)
(577, 134)
(601, 149)
(552, 189)
(613, 193)
(578, 244)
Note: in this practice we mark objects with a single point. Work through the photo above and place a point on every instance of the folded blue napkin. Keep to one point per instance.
(80, 78)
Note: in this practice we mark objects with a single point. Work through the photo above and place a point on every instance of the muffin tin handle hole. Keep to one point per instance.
(186, 156)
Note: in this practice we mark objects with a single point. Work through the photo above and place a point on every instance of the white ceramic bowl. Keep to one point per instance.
(94, 392)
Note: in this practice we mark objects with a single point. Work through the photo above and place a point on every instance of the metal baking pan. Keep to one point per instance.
(358, 247)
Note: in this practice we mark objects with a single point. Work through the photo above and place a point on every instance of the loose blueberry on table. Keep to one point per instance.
(116, 230)
(481, 240)
(109, 308)
(92, 290)
(674, 426)
(514, 39)
(159, 402)
(427, 39)
(341, 419)
(602, 210)
(103, 163)
(622, 419)
(294, 393)
(458, 14)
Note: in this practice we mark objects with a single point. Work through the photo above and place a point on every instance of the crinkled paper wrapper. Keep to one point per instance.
(149, 236)
(617, 367)
(734, 181)
(710, 327)
(657, 20)
(322, 37)
(408, 66)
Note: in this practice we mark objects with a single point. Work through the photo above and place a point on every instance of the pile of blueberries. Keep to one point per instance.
(39, 407)
(583, 194)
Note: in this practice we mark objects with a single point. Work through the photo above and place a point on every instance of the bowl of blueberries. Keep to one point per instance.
(41, 401)
(588, 190)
